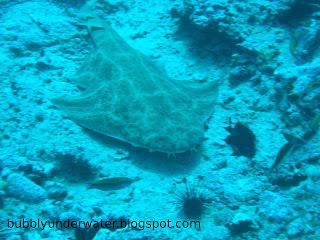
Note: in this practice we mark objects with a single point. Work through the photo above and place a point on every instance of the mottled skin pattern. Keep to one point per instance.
(127, 97)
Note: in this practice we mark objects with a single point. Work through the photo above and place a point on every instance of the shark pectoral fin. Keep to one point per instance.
(290, 138)
(76, 105)
(204, 93)
(91, 24)
(201, 90)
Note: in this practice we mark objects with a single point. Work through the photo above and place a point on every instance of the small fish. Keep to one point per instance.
(293, 45)
(112, 183)
(85, 233)
(39, 24)
(314, 84)
(284, 151)
(294, 143)
(242, 140)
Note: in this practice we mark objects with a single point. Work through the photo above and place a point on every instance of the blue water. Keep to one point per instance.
(175, 119)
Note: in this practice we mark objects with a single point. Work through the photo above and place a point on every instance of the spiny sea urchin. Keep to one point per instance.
(192, 203)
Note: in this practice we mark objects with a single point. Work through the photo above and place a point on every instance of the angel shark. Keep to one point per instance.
(126, 96)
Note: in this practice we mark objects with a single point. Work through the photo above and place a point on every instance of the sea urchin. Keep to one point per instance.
(191, 203)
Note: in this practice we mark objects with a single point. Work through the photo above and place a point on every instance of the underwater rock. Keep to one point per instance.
(299, 10)
(23, 188)
(72, 165)
(12, 234)
(299, 91)
(35, 171)
(284, 176)
(51, 211)
(2, 196)
(38, 31)
(120, 222)
(18, 51)
(232, 18)
(110, 7)
(217, 233)
(241, 223)
(240, 74)
(129, 98)
(288, 179)
(277, 208)
(56, 190)
(43, 65)
(242, 140)
(298, 227)
(85, 233)
(72, 215)
(305, 41)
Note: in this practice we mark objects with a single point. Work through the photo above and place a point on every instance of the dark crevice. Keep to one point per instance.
(207, 41)
(299, 11)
